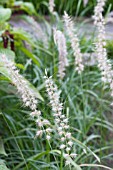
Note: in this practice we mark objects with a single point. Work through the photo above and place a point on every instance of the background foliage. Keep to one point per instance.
(73, 7)
(86, 100)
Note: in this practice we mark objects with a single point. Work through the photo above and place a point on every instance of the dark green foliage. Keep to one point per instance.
(73, 7)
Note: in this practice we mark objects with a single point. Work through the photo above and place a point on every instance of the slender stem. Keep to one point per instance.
(61, 161)
(48, 149)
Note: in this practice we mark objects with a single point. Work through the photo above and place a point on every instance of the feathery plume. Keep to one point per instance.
(74, 42)
(85, 2)
(26, 93)
(103, 62)
(27, 96)
(61, 121)
(51, 6)
(60, 40)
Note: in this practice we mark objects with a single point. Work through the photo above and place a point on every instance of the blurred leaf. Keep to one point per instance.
(18, 3)
(20, 66)
(5, 14)
(96, 165)
(35, 91)
(3, 167)
(3, 1)
(30, 55)
(86, 148)
(38, 156)
(3, 78)
(26, 6)
(10, 54)
(2, 150)
(22, 35)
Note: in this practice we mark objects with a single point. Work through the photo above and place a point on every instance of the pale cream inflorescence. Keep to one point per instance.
(61, 121)
(60, 41)
(27, 96)
(51, 6)
(74, 43)
(103, 62)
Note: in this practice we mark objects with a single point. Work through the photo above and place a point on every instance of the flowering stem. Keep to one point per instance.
(48, 149)
(61, 161)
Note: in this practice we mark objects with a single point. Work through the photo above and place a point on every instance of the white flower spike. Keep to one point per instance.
(60, 41)
(74, 43)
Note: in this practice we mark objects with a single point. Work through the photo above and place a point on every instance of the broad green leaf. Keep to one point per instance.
(5, 14)
(1, 30)
(22, 35)
(3, 1)
(10, 54)
(18, 3)
(2, 150)
(4, 71)
(20, 66)
(28, 7)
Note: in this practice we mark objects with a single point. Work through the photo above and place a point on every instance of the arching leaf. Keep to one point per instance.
(2, 150)
(5, 14)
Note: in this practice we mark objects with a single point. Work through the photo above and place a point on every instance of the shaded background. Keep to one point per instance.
(73, 7)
